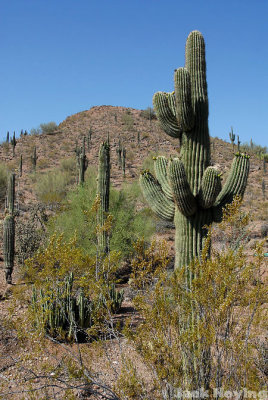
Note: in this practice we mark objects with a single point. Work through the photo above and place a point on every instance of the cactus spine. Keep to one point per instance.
(187, 190)
(9, 231)
(232, 137)
(82, 163)
(103, 191)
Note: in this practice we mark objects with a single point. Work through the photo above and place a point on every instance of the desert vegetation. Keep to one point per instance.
(122, 283)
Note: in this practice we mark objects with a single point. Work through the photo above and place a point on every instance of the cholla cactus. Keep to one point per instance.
(187, 189)
(62, 313)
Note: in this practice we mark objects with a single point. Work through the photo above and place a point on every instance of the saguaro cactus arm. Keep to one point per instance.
(164, 105)
(210, 187)
(155, 197)
(184, 110)
(234, 185)
(182, 193)
(160, 168)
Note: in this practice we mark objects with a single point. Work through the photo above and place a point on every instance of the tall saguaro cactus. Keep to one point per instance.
(82, 163)
(9, 231)
(103, 191)
(187, 189)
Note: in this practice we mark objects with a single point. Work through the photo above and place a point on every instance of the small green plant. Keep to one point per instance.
(62, 313)
(222, 347)
(52, 186)
(128, 121)
(49, 127)
(148, 113)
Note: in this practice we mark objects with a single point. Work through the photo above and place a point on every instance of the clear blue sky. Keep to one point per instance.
(59, 57)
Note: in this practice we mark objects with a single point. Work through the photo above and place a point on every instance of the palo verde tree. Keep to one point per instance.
(187, 189)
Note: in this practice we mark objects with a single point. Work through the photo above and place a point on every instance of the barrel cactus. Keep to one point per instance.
(187, 189)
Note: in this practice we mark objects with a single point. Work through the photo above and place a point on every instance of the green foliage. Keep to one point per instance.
(62, 313)
(67, 298)
(68, 165)
(148, 113)
(128, 121)
(52, 186)
(47, 128)
(253, 148)
(79, 215)
(206, 333)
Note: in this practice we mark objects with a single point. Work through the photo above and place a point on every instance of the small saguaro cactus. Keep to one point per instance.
(232, 137)
(124, 152)
(34, 159)
(7, 139)
(263, 189)
(103, 191)
(138, 138)
(13, 143)
(90, 134)
(264, 161)
(238, 144)
(119, 154)
(82, 163)
(20, 165)
(9, 231)
(187, 189)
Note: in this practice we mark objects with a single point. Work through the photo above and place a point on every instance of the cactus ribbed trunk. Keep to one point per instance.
(190, 235)
(103, 191)
(187, 189)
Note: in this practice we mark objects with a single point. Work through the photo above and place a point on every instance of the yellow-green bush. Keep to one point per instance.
(208, 335)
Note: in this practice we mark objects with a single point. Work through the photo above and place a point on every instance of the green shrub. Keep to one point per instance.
(68, 165)
(207, 336)
(148, 113)
(52, 186)
(128, 121)
(48, 128)
(79, 215)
